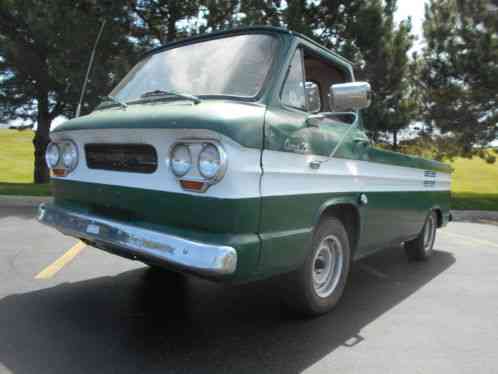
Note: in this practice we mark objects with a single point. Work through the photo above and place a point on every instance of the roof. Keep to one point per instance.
(241, 30)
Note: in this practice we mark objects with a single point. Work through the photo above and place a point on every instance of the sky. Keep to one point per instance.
(414, 9)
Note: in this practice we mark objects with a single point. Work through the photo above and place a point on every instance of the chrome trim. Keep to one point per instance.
(141, 244)
(74, 164)
(223, 162)
(328, 264)
(194, 174)
(170, 159)
(351, 95)
(61, 144)
(52, 144)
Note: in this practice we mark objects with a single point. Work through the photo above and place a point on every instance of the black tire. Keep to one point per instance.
(421, 248)
(301, 291)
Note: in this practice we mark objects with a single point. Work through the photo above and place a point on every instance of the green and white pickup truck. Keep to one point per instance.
(241, 155)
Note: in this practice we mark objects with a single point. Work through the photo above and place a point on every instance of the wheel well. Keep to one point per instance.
(439, 216)
(349, 217)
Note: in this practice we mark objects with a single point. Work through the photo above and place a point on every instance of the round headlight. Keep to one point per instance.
(210, 161)
(180, 160)
(52, 155)
(69, 156)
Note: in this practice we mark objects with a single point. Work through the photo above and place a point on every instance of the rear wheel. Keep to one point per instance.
(421, 248)
(319, 284)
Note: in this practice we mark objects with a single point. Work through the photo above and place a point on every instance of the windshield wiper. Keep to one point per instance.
(162, 93)
(122, 104)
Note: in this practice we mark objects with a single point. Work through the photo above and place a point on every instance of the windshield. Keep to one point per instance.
(231, 66)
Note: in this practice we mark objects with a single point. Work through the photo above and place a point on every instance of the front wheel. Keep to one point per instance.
(319, 284)
(421, 248)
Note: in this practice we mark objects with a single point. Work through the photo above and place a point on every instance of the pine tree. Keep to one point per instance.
(380, 50)
(157, 20)
(44, 49)
(460, 73)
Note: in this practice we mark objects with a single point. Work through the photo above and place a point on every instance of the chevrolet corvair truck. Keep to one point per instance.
(242, 155)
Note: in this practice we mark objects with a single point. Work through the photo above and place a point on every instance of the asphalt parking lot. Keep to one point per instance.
(100, 313)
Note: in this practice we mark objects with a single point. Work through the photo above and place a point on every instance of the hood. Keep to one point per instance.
(242, 122)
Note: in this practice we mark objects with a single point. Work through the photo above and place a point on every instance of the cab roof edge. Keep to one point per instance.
(268, 29)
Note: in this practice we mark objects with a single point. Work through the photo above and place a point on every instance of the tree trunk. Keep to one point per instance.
(41, 140)
(395, 140)
(172, 25)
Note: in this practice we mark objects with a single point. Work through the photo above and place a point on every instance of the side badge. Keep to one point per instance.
(363, 199)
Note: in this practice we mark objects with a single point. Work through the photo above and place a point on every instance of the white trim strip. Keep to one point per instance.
(284, 174)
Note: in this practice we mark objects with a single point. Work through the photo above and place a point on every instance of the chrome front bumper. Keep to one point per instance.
(141, 244)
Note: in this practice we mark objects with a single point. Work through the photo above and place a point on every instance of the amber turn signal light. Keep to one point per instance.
(193, 185)
(59, 172)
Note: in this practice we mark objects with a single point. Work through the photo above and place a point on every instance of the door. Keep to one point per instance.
(292, 191)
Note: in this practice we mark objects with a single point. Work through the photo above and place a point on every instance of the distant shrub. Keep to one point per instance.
(490, 159)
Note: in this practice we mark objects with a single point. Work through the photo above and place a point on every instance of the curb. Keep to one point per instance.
(7, 201)
(480, 216)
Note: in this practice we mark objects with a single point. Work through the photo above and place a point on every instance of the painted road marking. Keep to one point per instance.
(471, 240)
(62, 261)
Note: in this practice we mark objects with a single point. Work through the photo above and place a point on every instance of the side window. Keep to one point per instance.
(293, 92)
(321, 72)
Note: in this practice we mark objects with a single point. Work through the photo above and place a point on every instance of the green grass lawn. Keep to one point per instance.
(16, 165)
(474, 182)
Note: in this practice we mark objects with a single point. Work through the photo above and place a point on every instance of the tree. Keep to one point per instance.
(460, 73)
(44, 49)
(363, 31)
(380, 51)
(159, 18)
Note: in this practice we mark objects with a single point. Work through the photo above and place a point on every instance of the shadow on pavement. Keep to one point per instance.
(150, 321)
(18, 212)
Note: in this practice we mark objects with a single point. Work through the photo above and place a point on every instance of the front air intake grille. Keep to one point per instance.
(131, 158)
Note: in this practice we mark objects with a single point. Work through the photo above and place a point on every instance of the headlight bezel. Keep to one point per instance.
(171, 159)
(220, 172)
(74, 161)
(52, 145)
(62, 168)
(194, 175)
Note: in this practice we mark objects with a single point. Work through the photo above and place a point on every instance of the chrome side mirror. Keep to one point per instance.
(350, 96)
(313, 97)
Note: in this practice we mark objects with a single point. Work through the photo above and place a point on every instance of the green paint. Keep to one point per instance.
(270, 234)
(286, 130)
(285, 231)
(237, 120)
(198, 212)
(203, 219)
(388, 217)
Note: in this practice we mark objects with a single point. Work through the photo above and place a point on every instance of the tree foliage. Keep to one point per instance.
(362, 30)
(459, 77)
(45, 45)
(381, 57)
(44, 49)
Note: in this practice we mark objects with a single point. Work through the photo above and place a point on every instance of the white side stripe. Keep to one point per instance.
(284, 173)
(290, 174)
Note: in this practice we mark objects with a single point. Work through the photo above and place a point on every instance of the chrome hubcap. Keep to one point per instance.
(327, 266)
(429, 232)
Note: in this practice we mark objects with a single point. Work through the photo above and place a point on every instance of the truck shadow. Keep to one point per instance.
(149, 321)
(24, 213)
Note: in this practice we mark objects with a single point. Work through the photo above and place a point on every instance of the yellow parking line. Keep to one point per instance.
(471, 240)
(62, 261)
